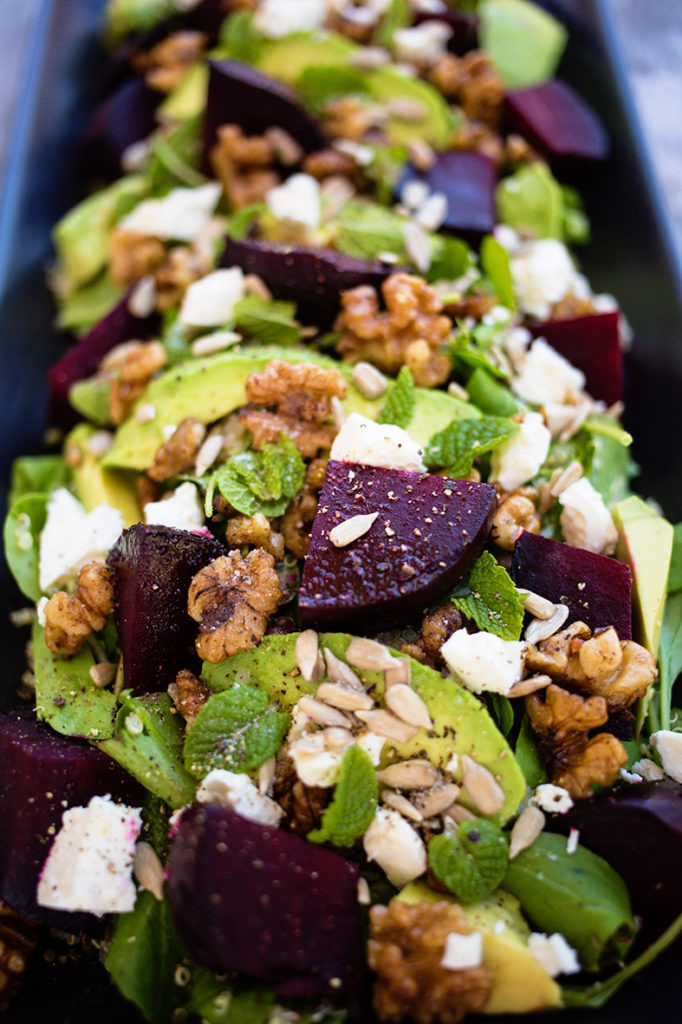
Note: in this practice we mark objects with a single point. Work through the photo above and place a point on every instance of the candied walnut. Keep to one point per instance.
(146, 490)
(331, 163)
(298, 518)
(243, 165)
(550, 657)
(405, 948)
(294, 400)
(183, 265)
(303, 805)
(562, 721)
(130, 366)
(349, 117)
(571, 306)
(166, 63)
(69, 620)
(232, 599)
(479, 138)
(359, 30)
(437, 626)
(516, 514)
(472, 83)
(179, 452)
(519, 151)
(188, 694)
(18, 938)
(255, 530)
(410, 332)
(133, 256)
(475, 304)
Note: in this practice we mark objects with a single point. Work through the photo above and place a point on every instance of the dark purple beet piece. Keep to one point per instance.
(437, 528)
(558, 122)
(125, 117)
(592, 343)
(42, 774)
(153, 567)
(252, 898)
(595, 588)
(240, 94)
(468, 180)
(84, 358)
(464, 29)
(312, 278)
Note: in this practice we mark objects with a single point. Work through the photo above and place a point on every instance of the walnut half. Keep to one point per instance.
(69, 620)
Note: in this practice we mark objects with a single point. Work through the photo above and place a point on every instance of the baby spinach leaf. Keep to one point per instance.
(670, 653)
(456, 447)
(493, 601)
(175, 156)
(495, 264)
(524, 42)
(450, 258)
(490, 395)
(222, 1001)
(270, 321)
(528, 756)
(37, 474)
(23, 526)
(472, 861)
(502, 710)
(350, 813)
(675, 571)
(531, 202)
(399, 406)
(366, 230)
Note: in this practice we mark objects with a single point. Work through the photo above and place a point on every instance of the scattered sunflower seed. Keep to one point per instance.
(370, 382)
(308, 656)
(538, 606)
(401, 804)
(322, 713)
(399, 672)
(413, 774)
(215, 342)
(408, 705)
(142, 301)
(383, 723)
(148, 869)
(339, 672)
(370, 655)
(439, 800)
(266, 774)
(483, 790)
(346, 698)
(351, 529)
(542, 629)
(528, 686)
(527, 828)
(103, 674)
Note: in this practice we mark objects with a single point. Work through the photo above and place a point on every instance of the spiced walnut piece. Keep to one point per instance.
(243, 165)
(255, 530)
(130, 367)
(303, 805)
(179, 452)
(298, 519)
(472, 83)
(437, 626)
(18, 937)
(167, 62)
(69, 620)
(188, 694)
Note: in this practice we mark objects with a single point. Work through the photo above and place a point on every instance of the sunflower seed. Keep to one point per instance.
(208, 453)
(528, 686)
(433, 212)
(255, 285)
(369, 58)
(323, 713)
(369, 655)
(417, 245)
(527, 828)
(338, 412)
(339, 672)
(286, 148)
(455, 816)
(385, 724)
(569, 476)
(145, 413)
(539, 606)
(485, 793)
(369, 381)
(401, 804)
(421, 154)
(351, 529)
(335, 738)
(406, 109)
(457, 391)
(542, 629)
(142, 299)
(148, 869)
(308, 657)
(103, 673)
(399, 672)
(364, 895)
(438, 800)
(215, 342)
(414, 774)
(100, 442)
(408, 705)
(266, 774)
(346, 698)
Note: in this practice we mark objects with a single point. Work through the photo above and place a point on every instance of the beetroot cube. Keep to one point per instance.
(429, 531)
(125, 117)
(252, 898)
(559, 123)
(595, 588)
(592, 343)
(468, 181)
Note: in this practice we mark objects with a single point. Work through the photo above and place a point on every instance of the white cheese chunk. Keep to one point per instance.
(424, 44)
(275, 18)
(484, 662)
(90, 864)
(210, 301)
(182, 511)
(553, 953)
(396, 847)
(236, 792)
(585, 520)
(372, 744)
(546, 376)
(179, 216)
(72, 537)
(669, 747)
(648, 770)
(517, 461)
(376, 444)
(462, 951)
(542, 274)
(553, 799)
(314, 764)
(297, 200)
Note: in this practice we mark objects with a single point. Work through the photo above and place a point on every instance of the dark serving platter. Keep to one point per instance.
(631, 255)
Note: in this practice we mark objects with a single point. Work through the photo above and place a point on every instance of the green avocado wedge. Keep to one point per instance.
(94, 484)
(461, 725)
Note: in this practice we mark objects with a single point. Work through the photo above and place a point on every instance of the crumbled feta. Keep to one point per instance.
(669, 747)
(314, 764)
(372, 744)
(553, 953)
(499, 927)
(632, 777)
(210, 301)
(236, 792)
(553, 799)
(648, 770)
(40, 611)
(179, 216)
(546, 376)
(585, 520)
(462, 951)
(376, 444)
(90, 864)
(517, 461)
(424, 44)
(542, 273)
(396, 847)
(297, 200)
(182, 511)
(484, 662)
(275, 18)
(508, 238)
(72, 537)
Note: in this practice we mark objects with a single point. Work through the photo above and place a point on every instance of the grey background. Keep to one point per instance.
(650, 33)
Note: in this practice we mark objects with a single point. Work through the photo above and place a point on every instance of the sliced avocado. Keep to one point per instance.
(461, 724)
(123, 17)
(82, 309)
(95, 485)
(286, 58)
(188, 98)
(520, 983)
(645, 542)
(90, 397)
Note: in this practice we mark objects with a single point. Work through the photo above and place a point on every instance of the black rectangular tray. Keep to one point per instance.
(631, 255)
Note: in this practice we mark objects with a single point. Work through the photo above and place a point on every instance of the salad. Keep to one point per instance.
(352, 646)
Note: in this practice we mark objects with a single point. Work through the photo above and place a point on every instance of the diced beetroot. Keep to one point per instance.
(428, 533)
(559, 123)
(83, 359)
(312, 278)
(592, 343)
(125, 117)
(252, 898)
(42, 774)
(595, 588)
(464, 29)
(153, 567)
(240, 94)
(468, 180)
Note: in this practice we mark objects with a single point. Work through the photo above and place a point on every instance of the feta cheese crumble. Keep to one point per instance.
(546, 376)
(648, 770)
(210, 301)
(179, 216)
(297, 200)
(90, 864)
(236, 792)
(543, 273)
(182, 511)
(376, 444)
(396, 847)
(553, 953)
(315, 765)
(462, 951)
(669, 747)
(73, 537)
(517, 461)
(275, 18)
(553, 799)
(424, 44)
(483, 661)
(585, 520)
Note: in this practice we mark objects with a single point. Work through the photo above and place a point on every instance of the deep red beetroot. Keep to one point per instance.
(464, 29)
(468, 180)
(592, 343)
(125, 117)
(312, 278)
(44, 773)
(437, 528)
(595, 588)
(558, 122)
(153, 567)
(251, 898)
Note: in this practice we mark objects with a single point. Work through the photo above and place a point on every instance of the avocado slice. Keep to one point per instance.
(214, 387)
(520, 982)
(95, 485)
(645, 543)
(461, 723)
(287, 57)
(188, 98)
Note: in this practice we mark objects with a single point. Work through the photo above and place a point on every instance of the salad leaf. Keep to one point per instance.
(399, 406)
(502, 710)
(240, 38)
(577, 894)
(675, 571)
(669, 653)
(366, 230)
(450, 258)
(490, 395)
(37, 474)
(611, 469)
(123, 17)
(271, 322)
(492, 600)
(531, 202)
(175, 156)
(524, 42)
(83, 308)
(495, 264)
(352, 809)
(23, 526)
(216, 1001)
(397, 15)
(264, 481)
(528, 756)
(317, 85)
(456, 447)
(472, 861)
(470, 349)
(237, 729)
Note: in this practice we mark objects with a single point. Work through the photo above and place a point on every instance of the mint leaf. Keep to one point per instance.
(270, 321)
(350, 813)
(470, 349)
(524, 43)
(237, 729)
(531, 202)
(399, 406)
(495, 264)
(450, 258)
(175, 157)
(264, 481)
(472, 861)
(456, 447)
(493, 602)
(23, 526)
(365, 230)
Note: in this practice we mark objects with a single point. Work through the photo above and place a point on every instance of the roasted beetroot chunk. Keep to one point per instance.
(312, 278)
(428, 533)
(125, 117)
(595, 588)
(468, 180)
(592, 343)
(251, 898)
(153, 567)
(559, 123)
(42, 774)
